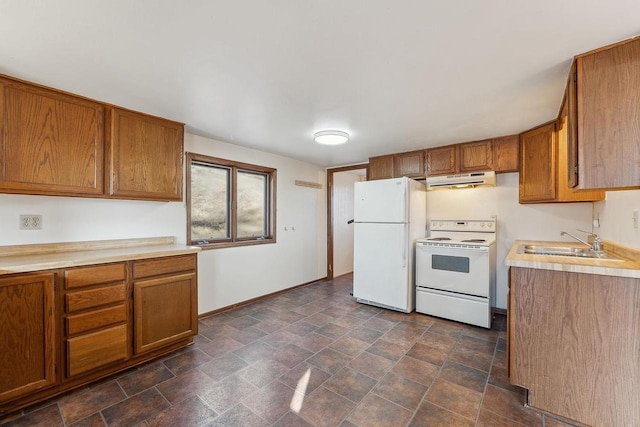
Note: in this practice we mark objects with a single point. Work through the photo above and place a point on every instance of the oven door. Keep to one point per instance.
(461, 270)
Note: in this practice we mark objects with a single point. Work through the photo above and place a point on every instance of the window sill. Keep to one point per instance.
(207, 246)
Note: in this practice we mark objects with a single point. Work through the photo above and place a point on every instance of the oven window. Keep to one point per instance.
(450, 263)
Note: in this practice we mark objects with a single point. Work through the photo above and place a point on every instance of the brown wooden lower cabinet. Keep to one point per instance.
(96, 310)
(96, 319)
(101, 319)
(164, 311)
(96, 349)
(574, 343)
(27, 334)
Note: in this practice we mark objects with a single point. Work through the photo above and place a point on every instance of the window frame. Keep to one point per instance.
(234, 167)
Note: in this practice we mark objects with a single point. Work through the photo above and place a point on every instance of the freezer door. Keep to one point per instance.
(382, 265)
(384, 200)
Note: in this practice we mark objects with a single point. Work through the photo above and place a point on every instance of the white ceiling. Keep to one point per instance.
(397, 75)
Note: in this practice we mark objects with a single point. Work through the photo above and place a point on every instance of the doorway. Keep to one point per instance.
(339, 211)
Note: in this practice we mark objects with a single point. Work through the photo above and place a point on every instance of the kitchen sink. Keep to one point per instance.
(565, 251)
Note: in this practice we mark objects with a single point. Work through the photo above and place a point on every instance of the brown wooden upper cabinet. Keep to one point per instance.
(497, 154)
(144, 155)
(381, 167)
(409, 164)
(543, 154)
(506, 153)
(538, 166)
(604, 136)
(442, 160)
(475, 156)
(50, 142)
(56, 143)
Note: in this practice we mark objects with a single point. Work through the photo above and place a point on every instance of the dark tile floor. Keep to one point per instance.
(311, 357)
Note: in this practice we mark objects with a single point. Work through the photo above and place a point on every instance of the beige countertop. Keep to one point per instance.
(26, 258)
(629, 266)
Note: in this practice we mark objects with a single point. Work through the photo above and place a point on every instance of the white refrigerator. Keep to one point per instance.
(390, 215)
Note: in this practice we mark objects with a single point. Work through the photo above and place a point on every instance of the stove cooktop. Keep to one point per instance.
(461, 233)
(451, 241)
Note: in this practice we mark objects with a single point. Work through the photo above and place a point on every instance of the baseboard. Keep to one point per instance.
(500, 311)
(260, 298)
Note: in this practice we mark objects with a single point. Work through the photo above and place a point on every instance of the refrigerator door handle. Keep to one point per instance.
(406, 203)
(404, 247)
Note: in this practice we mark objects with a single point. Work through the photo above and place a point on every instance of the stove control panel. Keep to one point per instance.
(470, 225)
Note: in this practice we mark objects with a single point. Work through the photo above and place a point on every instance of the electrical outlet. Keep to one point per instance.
(30, 222)
(635, 218)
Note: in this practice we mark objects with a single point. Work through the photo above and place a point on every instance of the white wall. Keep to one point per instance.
(226, 276)
(615, 214)
(69, 219)
(515, 221)
(342, 209)
(230, 275)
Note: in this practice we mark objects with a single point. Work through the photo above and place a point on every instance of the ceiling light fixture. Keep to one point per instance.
(331, 137)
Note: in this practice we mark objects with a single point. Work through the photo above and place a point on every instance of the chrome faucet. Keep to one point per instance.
(597, 243)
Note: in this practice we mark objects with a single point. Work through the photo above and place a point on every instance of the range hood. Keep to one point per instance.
(487, 179)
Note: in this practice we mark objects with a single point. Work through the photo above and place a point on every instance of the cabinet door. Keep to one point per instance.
(27, 347)
(476, 156)
(381, 167)
(564, 193)
(572, 129)
(575, 344)
(506, 154)
(442, 160)
(538, 163)
(144, 155)
(50, 142)
(608, 89)
(510, 320)
(410, 164)
(164, 311)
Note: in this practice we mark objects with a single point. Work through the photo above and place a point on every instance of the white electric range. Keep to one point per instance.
(456, 270)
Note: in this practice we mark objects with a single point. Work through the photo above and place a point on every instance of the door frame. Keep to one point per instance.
(330, 172)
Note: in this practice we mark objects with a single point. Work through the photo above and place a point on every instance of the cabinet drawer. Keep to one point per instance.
(158, 266)
(90, 351)
(84, 322)
(94, 275)
(80, 300)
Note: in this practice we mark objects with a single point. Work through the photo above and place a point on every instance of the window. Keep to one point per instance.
(229, 203)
